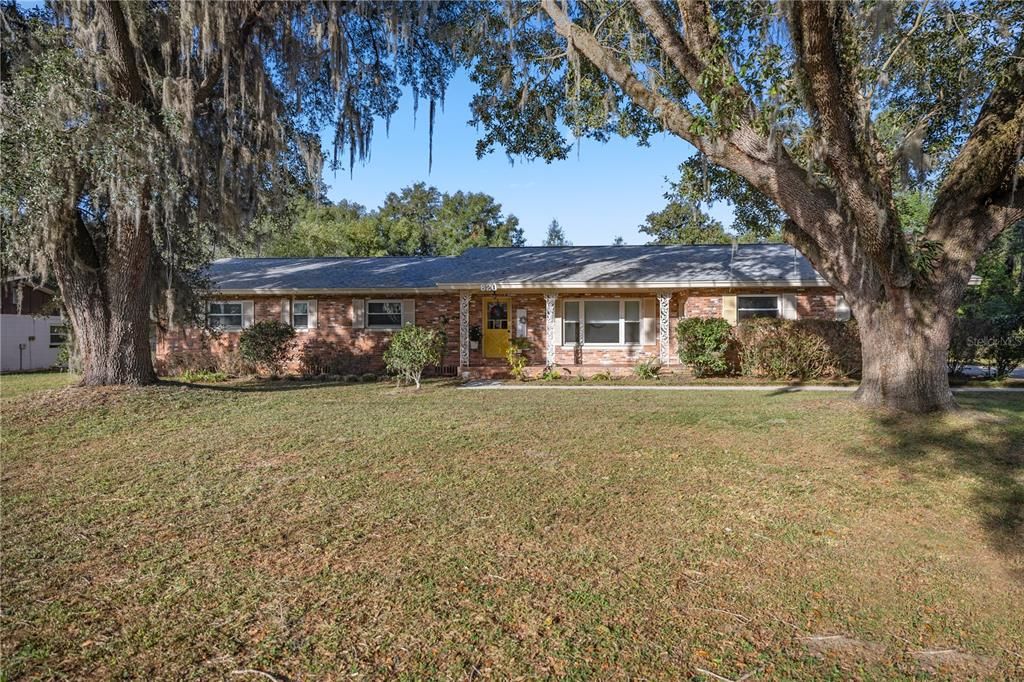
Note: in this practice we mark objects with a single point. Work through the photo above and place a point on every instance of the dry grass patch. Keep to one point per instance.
(316, 531)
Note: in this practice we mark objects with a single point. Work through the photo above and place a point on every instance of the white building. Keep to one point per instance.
(30, 336)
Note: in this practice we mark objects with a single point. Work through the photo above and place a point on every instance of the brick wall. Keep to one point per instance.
(359, 349)
(363, 349)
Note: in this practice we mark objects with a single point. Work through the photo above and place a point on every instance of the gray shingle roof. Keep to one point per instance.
(774, 264)
(287, 274)
(754, 263)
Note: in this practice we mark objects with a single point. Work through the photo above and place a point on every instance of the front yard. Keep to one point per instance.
(314, 531)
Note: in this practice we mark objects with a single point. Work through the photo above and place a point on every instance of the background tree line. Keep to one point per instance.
(416, 221)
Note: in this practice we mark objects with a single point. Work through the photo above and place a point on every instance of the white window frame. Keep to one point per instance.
(231, 328)
(778, 305)
(622, 322)
(292, 305)
(63, 334)
(381, 327)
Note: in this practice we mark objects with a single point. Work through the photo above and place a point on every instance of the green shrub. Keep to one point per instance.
(516, 357)
(266, 344)
(1002, 343)
(176, 363)
(648, 369)
(703, 344)
(370, 378)
(192, 376)
(842, 343)
(230, 362)
(963, 344)
(68, 357)
(603, 375)
(798, 349)
(550, 374)
(411, 349)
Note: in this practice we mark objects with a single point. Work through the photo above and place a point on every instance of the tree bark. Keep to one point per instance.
(106, 293)
(904, 359)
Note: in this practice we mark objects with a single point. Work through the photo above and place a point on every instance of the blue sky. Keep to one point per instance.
(604, 191)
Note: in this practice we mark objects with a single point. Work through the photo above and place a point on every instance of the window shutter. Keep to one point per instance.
(842, 308)
(312, 312)
(649, 333)
(408, 311)
(286, 310)
(788, 302)
(558, 322)
(248, 314)
(729, 309)
(358, 313)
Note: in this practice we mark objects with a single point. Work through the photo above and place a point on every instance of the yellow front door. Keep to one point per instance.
(497, 326)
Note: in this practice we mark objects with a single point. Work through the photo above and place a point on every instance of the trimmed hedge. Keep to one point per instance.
(266, 344)
(798, 349)
(997, 341)
(704, 344)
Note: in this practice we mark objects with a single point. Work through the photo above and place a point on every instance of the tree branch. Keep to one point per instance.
(660, 26)
(213, 76)
(989, 161)
(848, 146)
(124, 68)
(892, 55)
(674, 116)
(743, 151)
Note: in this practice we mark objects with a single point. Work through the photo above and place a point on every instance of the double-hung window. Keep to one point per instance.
(757, 306)
(300, 314)
(571, 322)
(58, 334)
(384, 314)
(601, 322)
(631, 321)
(225, 314)
(605, 322)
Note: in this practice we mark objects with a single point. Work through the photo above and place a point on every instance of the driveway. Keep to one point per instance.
(981, 371)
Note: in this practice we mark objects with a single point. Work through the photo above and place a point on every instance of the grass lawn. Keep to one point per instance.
(14, 385)
(316, 531)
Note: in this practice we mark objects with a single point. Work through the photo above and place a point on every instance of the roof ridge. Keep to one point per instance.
(616, 246)
(225, 258)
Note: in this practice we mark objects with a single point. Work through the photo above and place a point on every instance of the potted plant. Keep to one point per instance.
(475, 335)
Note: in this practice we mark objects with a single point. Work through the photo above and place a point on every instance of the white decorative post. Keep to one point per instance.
(549, 328)
(464, 298)
(664, 300)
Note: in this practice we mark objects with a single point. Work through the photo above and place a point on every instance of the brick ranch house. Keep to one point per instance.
(583, 309)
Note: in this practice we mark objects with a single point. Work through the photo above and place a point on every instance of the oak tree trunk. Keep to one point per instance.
(106, 288)
(904, 360)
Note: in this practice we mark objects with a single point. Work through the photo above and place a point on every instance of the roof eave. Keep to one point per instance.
(290, 291)
(678, 284)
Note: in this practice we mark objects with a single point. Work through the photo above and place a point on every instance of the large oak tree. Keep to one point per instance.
(826, 108)
(137, 135)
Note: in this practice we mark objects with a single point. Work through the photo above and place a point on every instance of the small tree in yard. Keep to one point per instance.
(517, 359)
(412, 349)
(703, 344)
(266, 344)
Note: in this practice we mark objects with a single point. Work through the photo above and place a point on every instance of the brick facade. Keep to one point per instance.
(359, 350)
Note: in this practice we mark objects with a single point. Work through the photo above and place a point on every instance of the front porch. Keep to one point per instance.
(580, 333)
